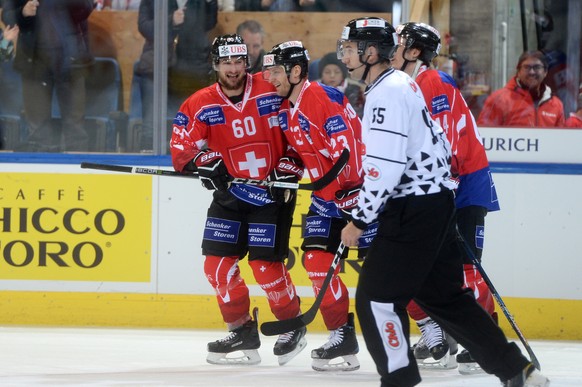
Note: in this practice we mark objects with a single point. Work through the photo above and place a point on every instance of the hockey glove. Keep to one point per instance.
(288, 170)
(346, 200)
(211, 170)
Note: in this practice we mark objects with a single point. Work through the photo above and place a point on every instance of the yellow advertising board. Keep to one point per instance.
(75, 227)
(349, 268)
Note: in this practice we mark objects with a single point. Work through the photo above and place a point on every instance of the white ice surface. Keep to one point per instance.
(155, 357)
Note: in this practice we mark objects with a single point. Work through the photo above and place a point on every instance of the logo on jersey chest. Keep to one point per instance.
(268, 105)
(283, 121)
(303, 123)
(212, 116)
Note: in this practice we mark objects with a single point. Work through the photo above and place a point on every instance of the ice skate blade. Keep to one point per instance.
(246, 357)
(286, 358)
(447, 362)
(470, 369)
(537, 380)
(340, 363)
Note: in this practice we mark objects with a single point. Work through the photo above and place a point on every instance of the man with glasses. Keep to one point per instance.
(228, 130)
(526, 100)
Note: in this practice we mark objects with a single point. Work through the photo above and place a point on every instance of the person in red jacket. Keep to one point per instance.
(526, 100)
(575, 119)
(475, 194)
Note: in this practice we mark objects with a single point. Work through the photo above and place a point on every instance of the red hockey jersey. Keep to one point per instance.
(247, 134)
(319, 126)
(469, 163)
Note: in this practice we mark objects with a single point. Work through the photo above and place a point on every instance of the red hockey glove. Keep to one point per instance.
(288, 170)
(211, 170)
(346, 200)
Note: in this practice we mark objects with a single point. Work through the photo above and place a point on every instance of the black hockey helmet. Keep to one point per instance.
(369, 31)
(288, 54)
(228, 46)
(421, 36)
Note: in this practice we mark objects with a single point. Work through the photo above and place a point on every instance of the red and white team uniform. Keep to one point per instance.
(469, 165)
(319, 127)
(208, 119)
(248, 137)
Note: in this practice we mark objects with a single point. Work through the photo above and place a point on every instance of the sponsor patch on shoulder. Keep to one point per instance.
(439, 104)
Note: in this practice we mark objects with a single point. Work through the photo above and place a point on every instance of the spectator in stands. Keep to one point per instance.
(188, 52)
(253, 34)
(575, 119)
(7, 38)
(332, 72)
(52, 55)
(192, 70)
(526, 100)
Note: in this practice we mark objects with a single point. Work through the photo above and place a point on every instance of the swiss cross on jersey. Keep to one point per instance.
(252, 160)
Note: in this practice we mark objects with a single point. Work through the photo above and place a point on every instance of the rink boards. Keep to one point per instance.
(91, 248)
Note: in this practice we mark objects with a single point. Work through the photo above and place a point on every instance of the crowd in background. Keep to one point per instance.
(45, 77)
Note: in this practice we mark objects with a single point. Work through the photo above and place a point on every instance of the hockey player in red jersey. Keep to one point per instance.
(319, 124)
(419, 43)
(228, 130)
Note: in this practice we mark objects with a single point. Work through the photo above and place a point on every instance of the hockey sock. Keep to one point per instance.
(415, 312)
(475, 281)
(232, 294)
(275, 280)
(335, 304)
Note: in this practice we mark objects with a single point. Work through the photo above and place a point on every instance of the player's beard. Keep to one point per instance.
(231, 84)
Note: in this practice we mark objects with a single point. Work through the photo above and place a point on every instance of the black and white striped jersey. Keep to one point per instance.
(407, 153)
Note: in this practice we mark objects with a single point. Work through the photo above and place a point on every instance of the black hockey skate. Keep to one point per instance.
(238, 348)
(289, 344)
(436, 349)
(528, 377)
(468, 365)
(342, 346)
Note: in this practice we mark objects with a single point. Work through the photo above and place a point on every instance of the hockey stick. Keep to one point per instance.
(500, 302)
(316, 185)
(271, 328)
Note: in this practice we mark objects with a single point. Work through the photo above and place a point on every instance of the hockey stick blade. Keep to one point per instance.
(313, 186)
(500, 302)
(272, 328)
